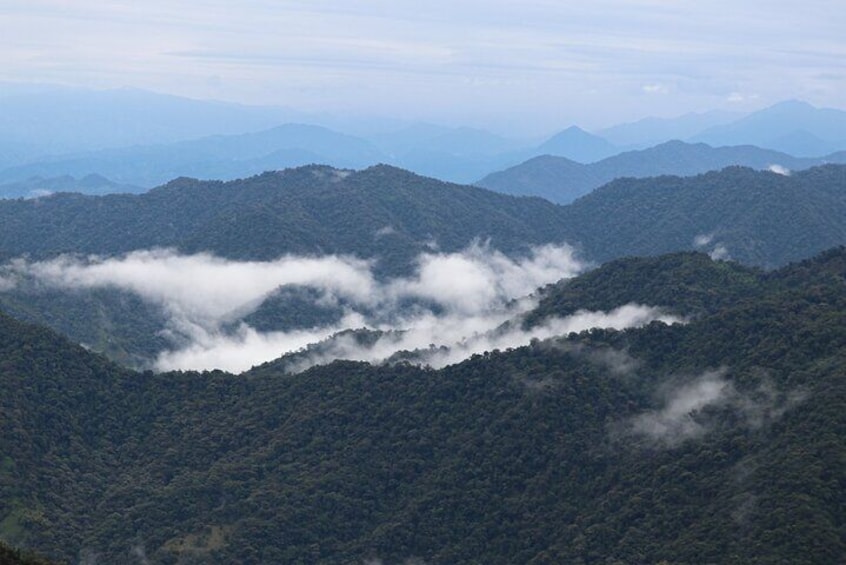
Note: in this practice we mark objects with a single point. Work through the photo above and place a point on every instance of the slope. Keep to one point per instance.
(561, 180)
(757, 218)
(721, 440)
(383, 215)
(793, 126)
(223, 157)
(312, 209)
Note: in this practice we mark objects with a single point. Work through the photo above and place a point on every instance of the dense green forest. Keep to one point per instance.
(309, 210)
(717, 440)
(759, 217)
(12, 556)
(391, 217)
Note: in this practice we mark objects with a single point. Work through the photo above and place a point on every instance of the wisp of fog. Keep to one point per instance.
(452, 306)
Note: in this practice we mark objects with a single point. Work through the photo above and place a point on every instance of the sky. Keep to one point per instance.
(492, 62)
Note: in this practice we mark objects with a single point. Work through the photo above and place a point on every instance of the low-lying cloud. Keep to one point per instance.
(689, 410)
(453, 305)
(779, 170)
(677, 419)
(717, 252)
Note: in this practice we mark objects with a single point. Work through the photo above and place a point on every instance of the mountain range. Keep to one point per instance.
(793, 127)
(144, 139)
(402, 369)
(383, 211)
(563, 180)
(395, 222)
(713, 440)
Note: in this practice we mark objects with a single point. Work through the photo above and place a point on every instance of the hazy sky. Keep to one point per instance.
(494, 61)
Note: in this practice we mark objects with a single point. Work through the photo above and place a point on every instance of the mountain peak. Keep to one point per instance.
(578, 145)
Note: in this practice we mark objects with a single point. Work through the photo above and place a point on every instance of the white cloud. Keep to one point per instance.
(442, 340)
(720, 253)
(676, 421)
(682, 415)
(779, 170)
(457, 300)
(702, 240)
(655, 89)
(205, 289)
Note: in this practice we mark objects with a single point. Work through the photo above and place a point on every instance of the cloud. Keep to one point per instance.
(480, 278)
(702, 240)
(7, 283)
(677, 420)
(718, 253)
(386, 230)
(204, 289)
(684, 414)
(779, 170)
(655, 89)
(440, 340)
(452, 306)
(413, 60)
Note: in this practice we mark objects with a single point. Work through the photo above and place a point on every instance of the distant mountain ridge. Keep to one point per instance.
(144, 139)
(654, 131)
(578, 145)
(562, 180)
(50, 120)
(223, 157)
(793, 127)
(38, 186)
(756, 217)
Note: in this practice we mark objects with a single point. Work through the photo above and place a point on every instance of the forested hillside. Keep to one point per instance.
(391, 219)
(757, 218)
(562, 180)
(760, 217)
(378, 212)
(719, 440)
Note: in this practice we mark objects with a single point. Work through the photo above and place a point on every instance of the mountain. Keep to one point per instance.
(562, 180)
(465, 154)
(654, 131)
(717, 440)
(320, 210)
(381, 226)
(453, 154)
(756, 217)
(37, 186)
(793, 127)
(576, 144)
(49, 120)
(308, 210)
(223, 157)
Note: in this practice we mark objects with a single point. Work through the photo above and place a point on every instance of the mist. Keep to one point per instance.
(453, 305)
(688, 407)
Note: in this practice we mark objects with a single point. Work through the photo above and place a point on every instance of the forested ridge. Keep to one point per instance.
(391, 218)
(562, 180)
(718, 440)
(308, 210)
(759, 217)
